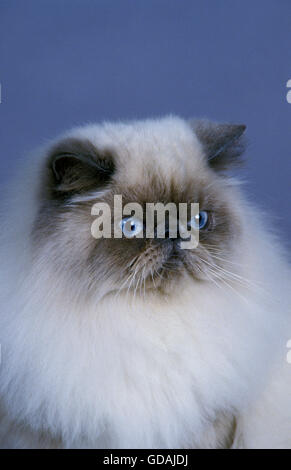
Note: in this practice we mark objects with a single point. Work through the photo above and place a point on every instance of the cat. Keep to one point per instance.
(134, 342)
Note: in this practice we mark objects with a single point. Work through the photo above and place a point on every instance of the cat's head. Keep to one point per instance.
(154, 161)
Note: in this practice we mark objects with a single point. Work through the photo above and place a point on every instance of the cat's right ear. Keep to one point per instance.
(75, 166)
(223, 143)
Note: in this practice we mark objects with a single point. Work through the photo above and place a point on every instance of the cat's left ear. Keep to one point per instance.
(223, 144)
(75, 166)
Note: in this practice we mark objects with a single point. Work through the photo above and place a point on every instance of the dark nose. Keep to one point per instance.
(168, 234)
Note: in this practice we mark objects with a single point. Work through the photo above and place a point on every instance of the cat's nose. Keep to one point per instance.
(168, 233)
(172, 236)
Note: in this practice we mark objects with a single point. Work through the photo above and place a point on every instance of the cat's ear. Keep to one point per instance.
(75, 165)
(223, 144)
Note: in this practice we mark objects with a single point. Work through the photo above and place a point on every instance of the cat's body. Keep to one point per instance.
(193, 360)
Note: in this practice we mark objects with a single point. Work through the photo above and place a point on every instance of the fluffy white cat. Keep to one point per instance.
(135, 343)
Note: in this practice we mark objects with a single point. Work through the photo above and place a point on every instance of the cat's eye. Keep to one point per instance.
(131, 227)
(200, 221)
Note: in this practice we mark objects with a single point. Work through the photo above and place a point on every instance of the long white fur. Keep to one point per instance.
(141, 372)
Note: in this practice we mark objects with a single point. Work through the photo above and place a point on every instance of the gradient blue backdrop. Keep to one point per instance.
(65, 62)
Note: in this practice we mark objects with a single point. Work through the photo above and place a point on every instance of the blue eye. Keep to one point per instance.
(131, 227)
(199, 221)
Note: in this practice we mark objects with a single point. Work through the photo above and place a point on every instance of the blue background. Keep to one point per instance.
(66, 62)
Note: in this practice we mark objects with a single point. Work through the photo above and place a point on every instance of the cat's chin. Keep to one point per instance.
(164, 281)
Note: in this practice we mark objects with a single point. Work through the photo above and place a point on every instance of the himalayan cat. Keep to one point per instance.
(134, 342)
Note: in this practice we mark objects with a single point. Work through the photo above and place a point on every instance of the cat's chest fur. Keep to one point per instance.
(135, 374)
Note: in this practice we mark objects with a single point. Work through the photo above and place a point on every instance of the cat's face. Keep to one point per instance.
(163, 161)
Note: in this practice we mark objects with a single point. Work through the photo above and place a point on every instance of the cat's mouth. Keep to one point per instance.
(155, 268)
